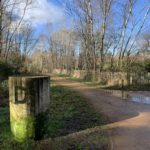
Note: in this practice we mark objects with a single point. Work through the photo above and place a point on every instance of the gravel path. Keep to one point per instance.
(130, 122)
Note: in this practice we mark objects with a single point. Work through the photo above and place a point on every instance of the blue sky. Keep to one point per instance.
(42, 12)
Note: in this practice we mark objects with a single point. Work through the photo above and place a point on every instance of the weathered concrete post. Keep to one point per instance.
(28, 97)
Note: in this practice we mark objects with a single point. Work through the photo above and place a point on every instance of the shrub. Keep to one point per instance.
(147, 66)
(137, 67)
(7, 69)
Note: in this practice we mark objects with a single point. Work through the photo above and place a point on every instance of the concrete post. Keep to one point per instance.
(28, 97)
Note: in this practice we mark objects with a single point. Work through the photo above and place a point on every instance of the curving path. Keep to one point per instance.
(130, 122)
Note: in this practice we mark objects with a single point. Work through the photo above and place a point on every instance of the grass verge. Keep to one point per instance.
(135, 87)
(62, 75)
(69, 114)
(87, 82)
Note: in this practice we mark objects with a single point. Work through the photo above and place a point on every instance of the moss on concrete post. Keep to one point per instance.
(28, 97)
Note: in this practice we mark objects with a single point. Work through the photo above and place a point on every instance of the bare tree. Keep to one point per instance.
(10, 23)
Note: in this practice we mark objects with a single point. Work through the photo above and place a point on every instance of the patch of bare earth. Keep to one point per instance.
(130, 122)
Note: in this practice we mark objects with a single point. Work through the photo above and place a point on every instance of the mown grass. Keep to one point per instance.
(93, 138)
(76, 79)
(7, 141)
(87, 82)
(69, 113)
(135, 87)
(62, 75)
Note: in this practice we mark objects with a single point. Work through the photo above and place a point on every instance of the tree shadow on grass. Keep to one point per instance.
(69, 113)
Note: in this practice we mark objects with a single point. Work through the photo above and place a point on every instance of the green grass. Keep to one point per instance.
(76, 79)
(93, 138)
(142, 87)
(69, 113)
(7, 142)
(62, 75)
(135, 87)
(87, 82)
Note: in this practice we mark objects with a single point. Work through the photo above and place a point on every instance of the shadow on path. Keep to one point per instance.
(129, 121)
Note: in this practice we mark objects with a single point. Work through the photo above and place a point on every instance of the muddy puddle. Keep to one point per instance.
(137, 97)
(140, 99)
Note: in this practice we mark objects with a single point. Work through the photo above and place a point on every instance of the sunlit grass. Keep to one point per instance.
(69, 113)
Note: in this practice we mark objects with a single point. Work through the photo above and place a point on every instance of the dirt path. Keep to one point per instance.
(130, 121)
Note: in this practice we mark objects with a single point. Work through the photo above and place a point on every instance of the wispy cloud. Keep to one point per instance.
(41, 12)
